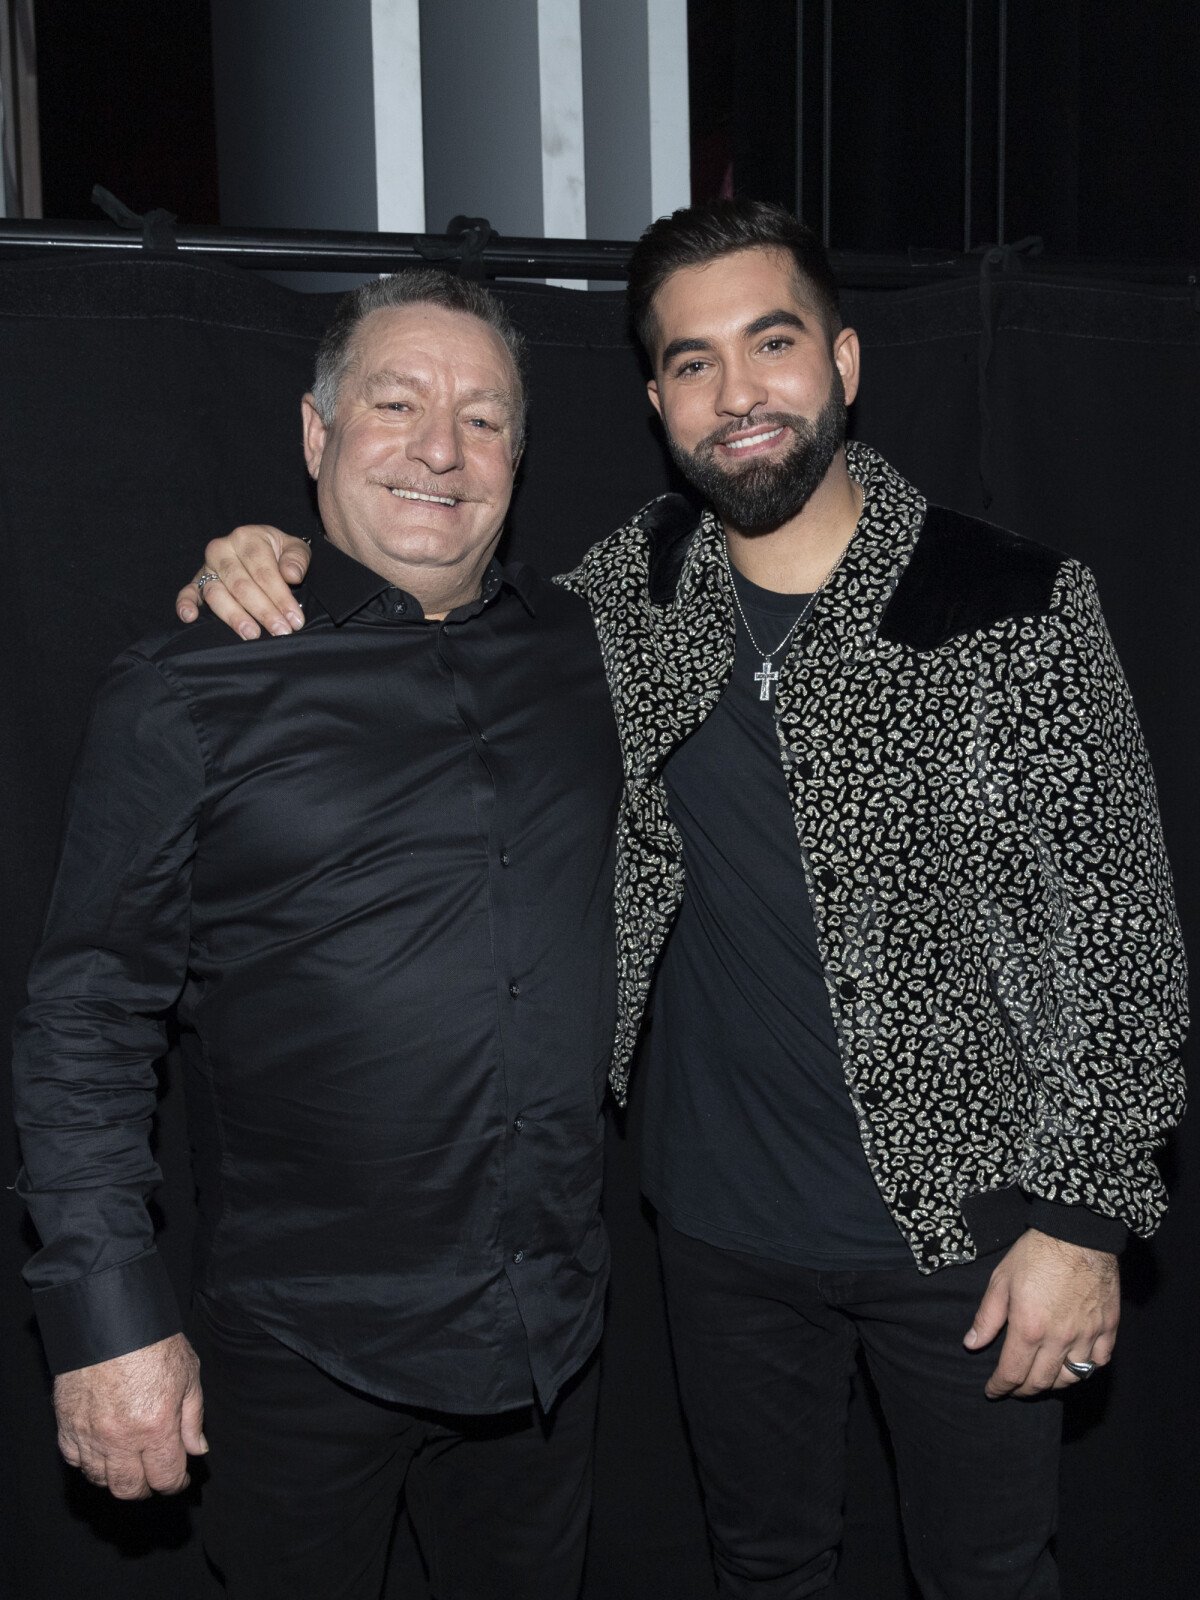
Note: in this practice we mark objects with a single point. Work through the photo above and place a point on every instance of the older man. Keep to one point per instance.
(892, 853)
(372, 866)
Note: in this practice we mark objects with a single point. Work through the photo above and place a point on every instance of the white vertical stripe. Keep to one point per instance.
(670, 152)
(399, 145)
(560, 76)
(560, 81)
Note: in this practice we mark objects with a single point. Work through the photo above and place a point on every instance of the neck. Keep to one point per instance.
(440, 589)
(797, 557)
(438, 600)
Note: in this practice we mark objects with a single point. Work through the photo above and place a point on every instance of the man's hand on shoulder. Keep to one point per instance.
(132, 1422)
(253, 565)
(1060, 1302)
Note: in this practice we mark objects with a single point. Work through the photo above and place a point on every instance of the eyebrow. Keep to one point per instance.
(385, 378)
(779, 318)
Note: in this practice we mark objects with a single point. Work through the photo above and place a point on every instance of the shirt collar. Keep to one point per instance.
(343, 586)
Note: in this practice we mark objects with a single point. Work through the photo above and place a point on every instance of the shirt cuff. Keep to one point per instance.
(1077, 1225)
(107, 1314)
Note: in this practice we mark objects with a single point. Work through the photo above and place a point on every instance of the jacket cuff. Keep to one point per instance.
(1077, 1225)
(107, 1314)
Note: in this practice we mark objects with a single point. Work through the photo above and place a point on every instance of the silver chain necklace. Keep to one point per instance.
(768, 676)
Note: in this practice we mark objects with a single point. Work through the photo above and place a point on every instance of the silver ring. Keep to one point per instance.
(1081, 1369)
(206, 577)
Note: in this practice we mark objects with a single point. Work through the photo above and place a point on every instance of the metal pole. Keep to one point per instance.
(827, 125)
(1001, 120)
(333, 251)
(968, 122)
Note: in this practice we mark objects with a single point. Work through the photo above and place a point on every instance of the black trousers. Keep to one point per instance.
(765, 1352)
(306, 1475)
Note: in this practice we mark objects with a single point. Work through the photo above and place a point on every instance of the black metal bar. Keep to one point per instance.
(1001, 120)
(968, 121)
(827, 123)
(800, 108)
(308, 251)
(338, 252)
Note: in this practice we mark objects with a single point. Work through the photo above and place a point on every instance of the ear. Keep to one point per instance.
(315, 435)
(845, 358)
(655, 397)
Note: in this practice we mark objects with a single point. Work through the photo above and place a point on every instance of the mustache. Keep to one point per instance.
(767, 419)
(435, 491)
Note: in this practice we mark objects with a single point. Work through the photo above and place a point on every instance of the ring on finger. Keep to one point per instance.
(1081, 1369)
(206, 577)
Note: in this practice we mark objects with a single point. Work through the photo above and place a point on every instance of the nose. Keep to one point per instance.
(435, 442)
(741, 389)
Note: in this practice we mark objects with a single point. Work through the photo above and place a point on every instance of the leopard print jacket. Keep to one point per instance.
(980, 835)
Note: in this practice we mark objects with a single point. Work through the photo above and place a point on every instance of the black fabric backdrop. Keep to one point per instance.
(150, 403)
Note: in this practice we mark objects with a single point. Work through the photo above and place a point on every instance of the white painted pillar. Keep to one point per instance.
(670, 145)
(399, 126)
(560, 83)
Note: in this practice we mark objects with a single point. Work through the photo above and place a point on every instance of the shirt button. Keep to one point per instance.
(804, 768)
(518, 1257)
(483, 738)
(399, 608)
(504, 858)
(514, 989)
(828, 879)
(848, 989)
(518, 1124)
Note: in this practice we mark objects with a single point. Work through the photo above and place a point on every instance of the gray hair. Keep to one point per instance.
(418, 286)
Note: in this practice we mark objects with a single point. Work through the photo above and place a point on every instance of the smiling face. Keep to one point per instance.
(751, 387)
(415, 472)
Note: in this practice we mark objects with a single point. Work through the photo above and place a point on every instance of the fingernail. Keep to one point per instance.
(279, 629)
(296, 618)
(249, 630)
(188, 613)
(203, 1445)
(971, 1337)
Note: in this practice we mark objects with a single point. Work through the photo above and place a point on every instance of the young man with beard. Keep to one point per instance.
(889, 848)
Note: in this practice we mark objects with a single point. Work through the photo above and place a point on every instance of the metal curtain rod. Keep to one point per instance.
(602, 259)
(310, 249)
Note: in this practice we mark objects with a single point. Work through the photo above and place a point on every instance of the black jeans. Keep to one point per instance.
(764, 1353)
(306, 1475)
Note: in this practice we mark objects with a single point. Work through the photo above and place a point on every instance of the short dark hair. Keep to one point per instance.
(696, 235)
(417, 286)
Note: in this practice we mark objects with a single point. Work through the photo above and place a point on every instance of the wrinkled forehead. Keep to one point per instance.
(438, 341)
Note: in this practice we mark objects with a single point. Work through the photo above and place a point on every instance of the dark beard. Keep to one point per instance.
(763, 495)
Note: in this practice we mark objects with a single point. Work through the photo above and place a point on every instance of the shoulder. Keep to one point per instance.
(964, 576)
(648, 549)
(547, 599)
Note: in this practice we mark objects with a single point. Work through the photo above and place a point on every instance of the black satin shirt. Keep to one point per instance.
(371, 866)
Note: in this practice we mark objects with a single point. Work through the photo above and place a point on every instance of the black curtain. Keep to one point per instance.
(151, 403)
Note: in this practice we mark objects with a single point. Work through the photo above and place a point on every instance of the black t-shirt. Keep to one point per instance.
(751, 1142)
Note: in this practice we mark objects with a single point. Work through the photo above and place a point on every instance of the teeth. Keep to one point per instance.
(433, 499)
(757, 438)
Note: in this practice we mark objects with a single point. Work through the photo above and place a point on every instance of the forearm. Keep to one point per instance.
(86, 1045)
(1106, 1053)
